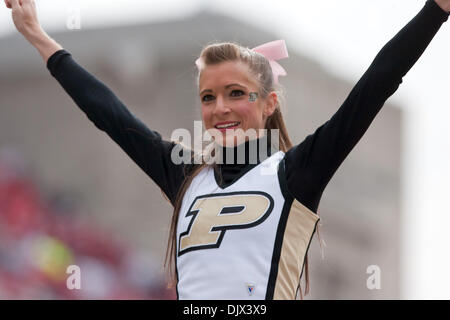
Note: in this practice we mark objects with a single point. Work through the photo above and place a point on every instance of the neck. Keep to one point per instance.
(249, 152)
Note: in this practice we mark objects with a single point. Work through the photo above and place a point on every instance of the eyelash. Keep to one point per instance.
(207, 95)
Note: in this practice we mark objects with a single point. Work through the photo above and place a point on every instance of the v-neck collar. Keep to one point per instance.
(235, 169)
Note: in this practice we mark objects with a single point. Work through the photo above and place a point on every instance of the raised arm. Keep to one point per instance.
(311, 164)
(146, 147)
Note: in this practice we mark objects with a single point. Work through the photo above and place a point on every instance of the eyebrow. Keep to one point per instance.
(226, 87)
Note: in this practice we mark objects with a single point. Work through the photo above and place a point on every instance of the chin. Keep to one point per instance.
(228, 139)
(231, 141)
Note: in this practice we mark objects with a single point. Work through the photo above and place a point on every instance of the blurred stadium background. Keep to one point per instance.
(69, 195)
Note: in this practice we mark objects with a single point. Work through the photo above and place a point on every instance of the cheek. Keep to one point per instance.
(250, 113)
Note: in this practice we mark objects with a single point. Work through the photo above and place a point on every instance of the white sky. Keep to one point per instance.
(344, 36)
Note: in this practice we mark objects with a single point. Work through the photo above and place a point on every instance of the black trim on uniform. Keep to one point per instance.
(282, 179)
(178, 279)
(288, 199)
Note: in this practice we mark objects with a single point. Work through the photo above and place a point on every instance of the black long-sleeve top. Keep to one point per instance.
(310, 165)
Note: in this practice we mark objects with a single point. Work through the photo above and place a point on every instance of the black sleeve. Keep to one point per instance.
(109, 114)
(311, 164)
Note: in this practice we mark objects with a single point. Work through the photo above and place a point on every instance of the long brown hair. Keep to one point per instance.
(261, 71)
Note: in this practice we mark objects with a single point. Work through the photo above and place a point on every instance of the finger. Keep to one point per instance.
(27, 3)
(8, 5)
(14, 4)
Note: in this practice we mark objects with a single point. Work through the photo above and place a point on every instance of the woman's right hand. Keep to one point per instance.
(25, 19)
(24, 16)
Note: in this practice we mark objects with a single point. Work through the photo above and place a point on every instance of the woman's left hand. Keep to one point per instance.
(444, 4)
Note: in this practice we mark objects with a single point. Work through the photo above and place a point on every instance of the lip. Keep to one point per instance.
(226, 122)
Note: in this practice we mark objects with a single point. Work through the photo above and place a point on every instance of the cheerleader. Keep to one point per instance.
(241, 230)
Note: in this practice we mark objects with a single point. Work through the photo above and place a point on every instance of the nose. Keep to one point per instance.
(221, 106)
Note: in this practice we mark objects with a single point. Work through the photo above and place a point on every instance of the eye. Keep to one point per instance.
(233, 93)
(238, 91)
(204, 99)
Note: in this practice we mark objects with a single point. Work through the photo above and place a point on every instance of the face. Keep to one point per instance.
(224, 91)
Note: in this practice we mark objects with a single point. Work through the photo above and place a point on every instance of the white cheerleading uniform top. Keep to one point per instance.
(246, 241)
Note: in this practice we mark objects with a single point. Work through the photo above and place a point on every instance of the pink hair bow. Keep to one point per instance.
(274, 50)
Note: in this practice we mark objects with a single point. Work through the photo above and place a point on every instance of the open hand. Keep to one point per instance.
(24, 15)
(25, 19)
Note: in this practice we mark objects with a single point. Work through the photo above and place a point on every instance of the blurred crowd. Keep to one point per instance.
(40, 238)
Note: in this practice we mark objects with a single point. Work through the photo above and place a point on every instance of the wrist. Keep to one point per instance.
(36, 36)
(444, 4)
(43, 43)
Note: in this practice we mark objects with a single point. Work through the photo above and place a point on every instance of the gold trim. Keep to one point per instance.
(299, 229)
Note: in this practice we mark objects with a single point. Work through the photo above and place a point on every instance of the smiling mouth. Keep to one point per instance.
(227, 125)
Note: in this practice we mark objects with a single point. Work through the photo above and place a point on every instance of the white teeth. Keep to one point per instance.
(227, 125)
